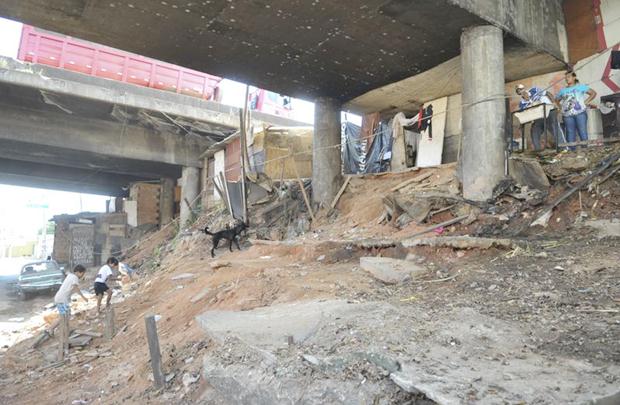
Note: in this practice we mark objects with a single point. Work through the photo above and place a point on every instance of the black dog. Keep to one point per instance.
(231, 235)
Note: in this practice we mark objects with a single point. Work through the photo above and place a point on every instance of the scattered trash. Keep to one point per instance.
(183, 276)
(189, 379)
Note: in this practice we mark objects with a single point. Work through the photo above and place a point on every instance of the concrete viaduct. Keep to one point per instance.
(68, 131)
(336, 53)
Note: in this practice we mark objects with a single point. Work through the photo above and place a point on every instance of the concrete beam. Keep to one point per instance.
(166, 201)
(67, 83)
(446, 80)
(291, 47)
(538, 23)
(39, 175)
(484, 111)
(190, 190)
(116, 140)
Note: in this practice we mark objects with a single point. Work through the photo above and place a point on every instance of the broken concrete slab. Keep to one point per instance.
(391, 271)
(200, 295)
(464, 353)
(529, 172)
(80, 341)
(460, 242)
(605, 228)
(269, 327)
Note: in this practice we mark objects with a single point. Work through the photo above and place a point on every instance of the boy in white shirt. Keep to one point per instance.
(104, 275)
(62, 299)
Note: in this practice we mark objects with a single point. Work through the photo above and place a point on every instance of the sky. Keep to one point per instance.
(19, 216)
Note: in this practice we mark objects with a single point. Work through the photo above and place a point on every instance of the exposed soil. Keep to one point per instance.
(560, 287)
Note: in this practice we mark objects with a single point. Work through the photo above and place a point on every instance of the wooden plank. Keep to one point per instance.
(303, 191)
(153, 341)
(87, 333)
(63, 337)
(416, 179)
(340, 192)
(109, 323)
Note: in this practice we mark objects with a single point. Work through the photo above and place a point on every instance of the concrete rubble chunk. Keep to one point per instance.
(460, 242)
(200, 295)
(219, 264)
(189, 379)
(267, 327)
(183, 276)
(605, 228)
(529, 172)
(390, 271)
(80, 341)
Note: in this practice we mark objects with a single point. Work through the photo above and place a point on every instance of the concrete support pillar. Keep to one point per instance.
(190, 189)
(484, 110)
(326, 155)
(166, 201)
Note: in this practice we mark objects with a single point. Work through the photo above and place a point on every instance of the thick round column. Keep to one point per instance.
(166, 201)
(326, 155)
(484, 110)
(190, 189)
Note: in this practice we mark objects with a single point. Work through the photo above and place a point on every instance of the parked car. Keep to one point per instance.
(44, 275)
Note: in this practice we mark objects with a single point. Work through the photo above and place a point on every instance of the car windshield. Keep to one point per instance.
(38, 267)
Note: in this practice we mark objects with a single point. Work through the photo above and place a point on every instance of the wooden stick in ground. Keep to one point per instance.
(109, 323)
(340, 192)
(224, 186)
(303, 189)
(63, 337)
(243, 139)
(153, 341)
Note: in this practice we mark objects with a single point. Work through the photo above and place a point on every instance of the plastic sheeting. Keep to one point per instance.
(376, 160)
(380, 152)
(352, 151)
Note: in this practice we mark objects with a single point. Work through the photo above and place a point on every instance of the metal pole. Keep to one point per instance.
(242, 136)
(545, 123)
(153, 340)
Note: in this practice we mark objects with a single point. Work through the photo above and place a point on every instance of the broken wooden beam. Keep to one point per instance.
(88, 333)
(460, 242)
(63, 336)
(155, 353)
(109, 323)
(303, 190)
(442, 224)
(416, 179)
(543, 218)
(340, 192)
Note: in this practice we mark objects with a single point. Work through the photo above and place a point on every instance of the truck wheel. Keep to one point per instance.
(24, 295)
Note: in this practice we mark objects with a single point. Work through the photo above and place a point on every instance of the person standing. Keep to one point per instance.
(104, 275)
(573, 101)
(62, 299)
(532, 97)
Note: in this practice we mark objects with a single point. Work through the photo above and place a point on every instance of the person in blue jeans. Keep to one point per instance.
(573, 101)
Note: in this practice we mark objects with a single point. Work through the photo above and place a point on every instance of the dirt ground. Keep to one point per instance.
(559, 286)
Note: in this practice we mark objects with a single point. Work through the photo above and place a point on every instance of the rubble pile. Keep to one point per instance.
(403, 293)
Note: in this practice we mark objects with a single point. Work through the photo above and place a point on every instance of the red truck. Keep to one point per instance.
(44, 47)
(270, 103)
